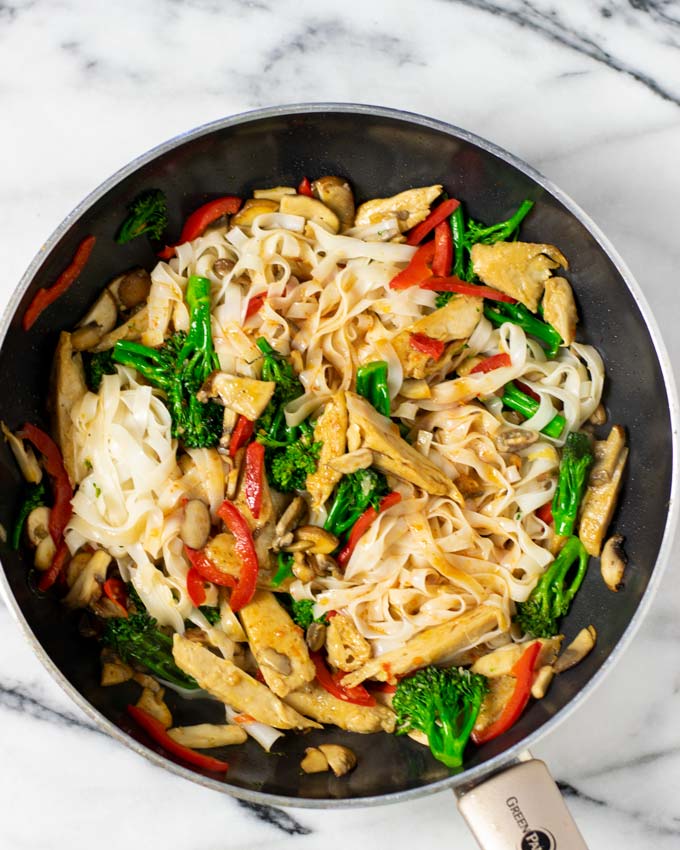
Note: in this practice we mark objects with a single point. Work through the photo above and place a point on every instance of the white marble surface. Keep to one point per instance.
(587, 92)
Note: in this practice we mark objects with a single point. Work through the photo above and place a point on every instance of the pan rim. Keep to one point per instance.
(497, 763)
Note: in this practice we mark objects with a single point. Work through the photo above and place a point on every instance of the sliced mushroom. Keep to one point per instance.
(310, 209)
(38, 524)
(340, 759)
(276, 661)
(577, 650)
(542, 681)
(273, 194)
(195, 527)
(315, 636)
(24, 456)
(337, 195)
(293, 514)
(152, 702)
(87, 586)
(514, 439)
(233, 478)
(613, 562)
(302, 568)
(599, 415)
(114, 671)
(205, 736)
(409, 207)
(44, 553)
(102, 316)
(133, 329)
(251, 209)
(134, 288)
(311, 538)
(246, 396)
(222, 267)
(314, 761)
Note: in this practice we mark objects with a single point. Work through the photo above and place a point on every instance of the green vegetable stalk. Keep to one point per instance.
(96, 365)
(180, 367)
(148, 213)
(577, 458)
(515, 399)
(443, 703)
(36, 495)
(372, 384)
(353, 495)
(549, 601)
(499, 313)
(302, 612)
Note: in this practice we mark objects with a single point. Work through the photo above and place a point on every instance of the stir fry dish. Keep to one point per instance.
(327, 464)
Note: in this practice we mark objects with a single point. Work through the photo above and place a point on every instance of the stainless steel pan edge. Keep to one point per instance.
(513, 755)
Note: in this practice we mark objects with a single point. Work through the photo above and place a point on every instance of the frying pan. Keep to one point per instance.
(510, 801)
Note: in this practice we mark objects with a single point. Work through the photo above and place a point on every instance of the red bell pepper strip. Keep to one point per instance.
(200, 219)
(417, 271)
(154, 729)
(498, 361)
(523, 673)
(245, 549)
(44, 297)
(56, 568)
(116, 591)
(207, 570)
(443, 250)
(254, 306)
(242, 432)
(455, 284)
(195, 587)
(362, 525)
(544, 513)
(61, 510)
(305, 188)
(254, 477)
(425, 344)
(437, 216)
(332, 682)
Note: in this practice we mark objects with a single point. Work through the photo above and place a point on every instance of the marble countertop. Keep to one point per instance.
(589, 93)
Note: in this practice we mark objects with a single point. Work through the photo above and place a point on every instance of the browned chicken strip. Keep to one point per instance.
(331, 431)
(559, 308)
(313, 701)
(604, 484)
(67, 388)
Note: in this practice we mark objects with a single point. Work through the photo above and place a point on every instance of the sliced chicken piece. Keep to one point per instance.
(452, 323)
(501, 689)
(277, 643)
(67, 387)
(233, 686)
(409, 207)
(437, 645)
(559, 308)
(347, 648)
(246, 396)
(604, 483)
(392, 454)
(331, 431)
(519, 269)
(501, 661)
(133, 329)
(313, 701)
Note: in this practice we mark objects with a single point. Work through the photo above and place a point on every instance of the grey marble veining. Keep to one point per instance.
(588, 92)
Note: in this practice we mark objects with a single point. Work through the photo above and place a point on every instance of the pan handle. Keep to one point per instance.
(520, 809)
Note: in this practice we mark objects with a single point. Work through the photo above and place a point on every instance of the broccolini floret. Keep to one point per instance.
(443, 703)
(577, 458)
(302, 612)
(137, 638)
(550, 599)
(180, 367)
(354, 494)
(96, 365)
(148, 213)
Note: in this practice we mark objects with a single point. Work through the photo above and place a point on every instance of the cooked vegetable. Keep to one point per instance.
(575, 463)
(613, 562)
(314, 761)
(518, 314)
(156, 732)
(284, 568)
(550, 599)
(438, 215)
(340, 758)
(443, 703)
(302, 612)
(582, 645)
(180, 367)
(44, 297)
(363, 523)
(334, 685)
(137, 638)
(245, 551)
(201, 219)
(515, 399)
(35, 496)
(371, 383)
(148, 213)
(98, 364)
(212, 615)
(355, 493)
(443, 250)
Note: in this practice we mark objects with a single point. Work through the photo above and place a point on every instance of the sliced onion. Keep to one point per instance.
(266, 736)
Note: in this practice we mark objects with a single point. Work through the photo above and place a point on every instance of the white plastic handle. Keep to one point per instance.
(520, 809)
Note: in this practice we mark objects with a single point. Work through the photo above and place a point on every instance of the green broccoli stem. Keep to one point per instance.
(574, 465)
(36, 495)
(284, 568)
(151, 363)
(499, 313)
(148, 214)
(457, 222)
(353, 495)
(549, 601)
(515, 399)
(198, 347)
(371, 383)
(501, 231)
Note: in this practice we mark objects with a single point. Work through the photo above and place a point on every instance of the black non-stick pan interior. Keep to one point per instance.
(380, 154)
